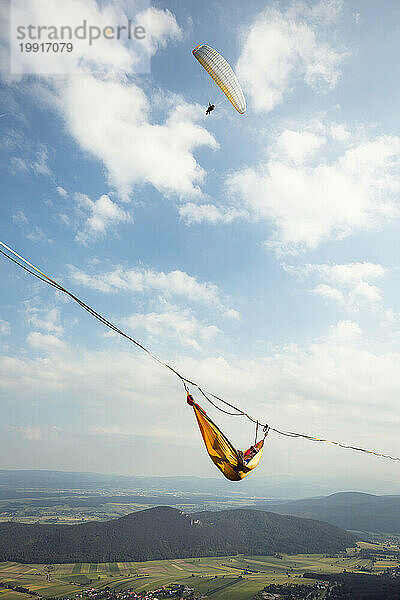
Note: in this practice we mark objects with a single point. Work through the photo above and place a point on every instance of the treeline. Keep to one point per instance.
(376, 553)
(358, 586)
(20, 589)
(165, 532)
(289, 592)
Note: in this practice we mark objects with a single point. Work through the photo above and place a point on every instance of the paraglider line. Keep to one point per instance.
(30, 268)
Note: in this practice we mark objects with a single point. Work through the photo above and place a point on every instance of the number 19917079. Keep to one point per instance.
(46, 47)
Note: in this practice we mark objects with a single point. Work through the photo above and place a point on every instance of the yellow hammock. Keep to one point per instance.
(234, 464)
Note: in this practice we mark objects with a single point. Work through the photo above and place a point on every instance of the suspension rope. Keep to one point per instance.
(24, 264)
(255, 437)
(235, 414)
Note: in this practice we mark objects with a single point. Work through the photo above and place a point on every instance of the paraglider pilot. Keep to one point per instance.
(210, 108)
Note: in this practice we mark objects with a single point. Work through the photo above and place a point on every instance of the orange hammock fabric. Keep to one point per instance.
(232, 463)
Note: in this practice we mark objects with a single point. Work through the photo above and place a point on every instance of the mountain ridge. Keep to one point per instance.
(165, 532)
(347, 510)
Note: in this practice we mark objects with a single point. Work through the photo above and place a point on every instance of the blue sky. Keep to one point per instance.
(257, 253)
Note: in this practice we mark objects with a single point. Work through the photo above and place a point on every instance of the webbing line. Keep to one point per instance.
(30, 268)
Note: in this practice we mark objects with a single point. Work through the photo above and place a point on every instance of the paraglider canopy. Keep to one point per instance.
(222, 73)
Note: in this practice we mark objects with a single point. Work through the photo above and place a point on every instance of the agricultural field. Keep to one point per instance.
(234, 577)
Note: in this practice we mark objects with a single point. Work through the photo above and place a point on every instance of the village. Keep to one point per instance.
(174, 590)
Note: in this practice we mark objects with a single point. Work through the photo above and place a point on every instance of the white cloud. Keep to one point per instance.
(161, 26)
(139, 140)
(129, 377)
(169, 321)
(134, 147)
(45, 342)
(338, 386)
(31, 433)
(339, 132)
(318, 197)
(36, 165)
(20, 218)
(231, 313)
(35, 234)
(323, 12)
(302, 387)
(62, 191)
(351, 273)
(199, 213)
(329, 292)
(110, 430)
(344, 332)
(174, 283)
(27, 157)
(48, 320)
(103, 213)
(298, 145)
(5, 328)
(174, 323)
(390, 317)
(349, 284)
(293, 382)
(114, 55)
(152, 431)
(280, 48)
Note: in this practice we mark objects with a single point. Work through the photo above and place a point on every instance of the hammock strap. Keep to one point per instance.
(255, 437)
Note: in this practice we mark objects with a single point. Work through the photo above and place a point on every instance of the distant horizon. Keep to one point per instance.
(221, 486)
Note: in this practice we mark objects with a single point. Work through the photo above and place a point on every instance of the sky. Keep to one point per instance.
(256, 253)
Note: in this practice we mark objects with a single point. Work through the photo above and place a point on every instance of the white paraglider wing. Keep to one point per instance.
(220, 70)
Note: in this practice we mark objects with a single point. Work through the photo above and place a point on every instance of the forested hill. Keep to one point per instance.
(350, 510)
(165, 532)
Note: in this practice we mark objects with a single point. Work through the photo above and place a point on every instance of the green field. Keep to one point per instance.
(234, 577)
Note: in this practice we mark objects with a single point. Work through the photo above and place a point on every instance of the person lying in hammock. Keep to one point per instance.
(233, 464)
(249, 454)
